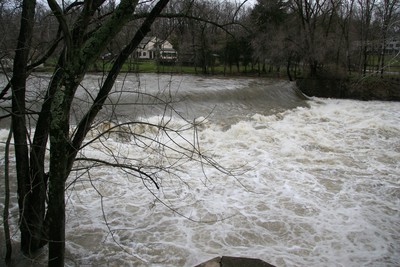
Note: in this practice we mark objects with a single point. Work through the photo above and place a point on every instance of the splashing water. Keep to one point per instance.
(316, 185)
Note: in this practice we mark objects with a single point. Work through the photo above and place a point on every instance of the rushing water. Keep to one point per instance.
(313, 182)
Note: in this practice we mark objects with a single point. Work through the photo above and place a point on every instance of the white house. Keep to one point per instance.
(155, 48)
(392, 46)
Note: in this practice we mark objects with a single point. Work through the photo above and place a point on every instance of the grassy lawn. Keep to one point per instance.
(146, 66)
(391, 62)
(151, 66)
(392, 68)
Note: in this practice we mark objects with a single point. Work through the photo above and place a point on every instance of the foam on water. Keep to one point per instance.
(315, 186)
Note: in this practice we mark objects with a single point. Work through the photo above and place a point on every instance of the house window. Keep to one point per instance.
(144, 54)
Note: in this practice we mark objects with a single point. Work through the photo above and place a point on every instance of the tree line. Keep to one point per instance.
(311, 36)
(352, 36)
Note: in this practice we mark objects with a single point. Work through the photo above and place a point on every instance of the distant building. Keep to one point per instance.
(392, 46)
(158, 49)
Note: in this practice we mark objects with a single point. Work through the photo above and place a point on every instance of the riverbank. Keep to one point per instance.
(368, 88)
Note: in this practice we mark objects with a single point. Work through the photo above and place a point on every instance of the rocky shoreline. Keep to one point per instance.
(384, 89)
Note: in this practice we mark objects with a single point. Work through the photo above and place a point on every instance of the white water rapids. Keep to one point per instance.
(315, 185)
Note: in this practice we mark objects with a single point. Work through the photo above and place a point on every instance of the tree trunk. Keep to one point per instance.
(38, 153)
(381, 63)
(289, 62)
(57, 175)
(58, 171)
(364, 61)
(7, 200)
(30, 213)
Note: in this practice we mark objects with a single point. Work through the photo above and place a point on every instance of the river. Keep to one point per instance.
(304, 181)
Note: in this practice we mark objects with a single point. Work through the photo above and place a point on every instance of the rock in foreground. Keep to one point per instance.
(225, 261)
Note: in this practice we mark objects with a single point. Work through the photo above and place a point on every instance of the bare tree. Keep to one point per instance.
(272, 18)
(346, 15)
(82, 45)
(365, 13)
(201, 32)
(309, 13)
(386, 11)
(85, 30)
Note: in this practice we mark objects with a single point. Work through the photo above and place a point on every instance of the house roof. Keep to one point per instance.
(145, 41)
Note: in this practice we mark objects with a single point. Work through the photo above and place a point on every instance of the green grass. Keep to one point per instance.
(391, 62)
(151, 66)
(144, 66)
